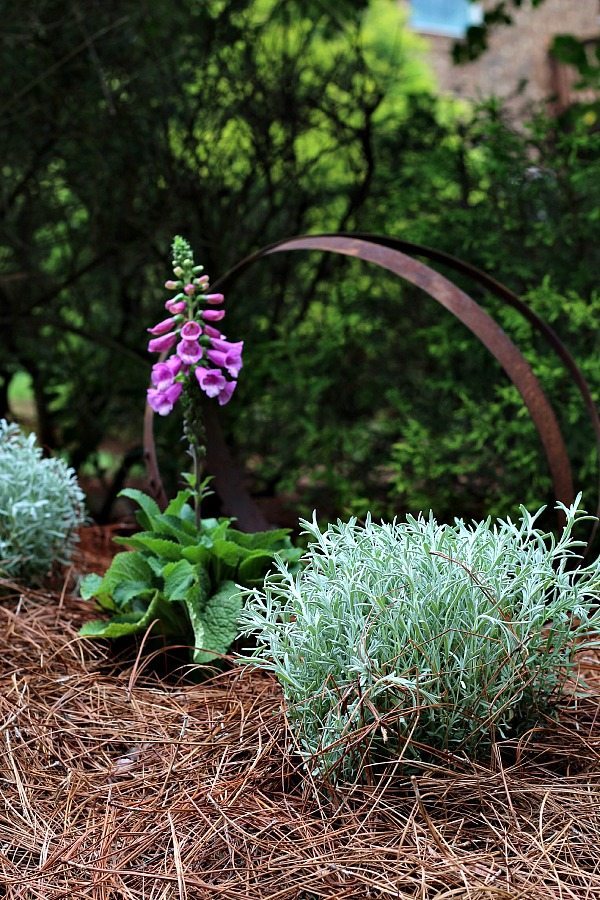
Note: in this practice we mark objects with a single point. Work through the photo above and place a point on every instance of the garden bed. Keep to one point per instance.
(117, 784)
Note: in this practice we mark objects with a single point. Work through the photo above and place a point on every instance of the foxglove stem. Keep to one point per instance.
(195, 434)
(196, 471)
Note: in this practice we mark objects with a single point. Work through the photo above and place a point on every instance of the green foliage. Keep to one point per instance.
(477, 37)
(583, 56)
(41, 507)
(414, 639)
(181, 576)
(239, 123)
(404, 409)
(479, 454)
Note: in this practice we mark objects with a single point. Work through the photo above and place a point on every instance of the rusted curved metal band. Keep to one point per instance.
(476, 320)
(385, 252)
(497, 289)
(478, 276)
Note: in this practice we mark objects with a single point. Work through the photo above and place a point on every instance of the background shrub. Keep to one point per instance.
(237, 124)
(413, 639)
(41, 507)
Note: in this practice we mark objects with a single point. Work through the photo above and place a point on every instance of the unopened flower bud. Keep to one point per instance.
(213, 332)
(213, 315)
(178, 271)
(176, 306)
(162, 343)
(197, 269)
(163, 326)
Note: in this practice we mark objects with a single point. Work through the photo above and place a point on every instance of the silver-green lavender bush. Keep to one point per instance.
(412, 639)
(41, 507)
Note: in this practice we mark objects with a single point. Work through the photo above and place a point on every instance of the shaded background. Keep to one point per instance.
(238, 123)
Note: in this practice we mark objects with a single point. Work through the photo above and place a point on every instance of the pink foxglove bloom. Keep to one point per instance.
(158, 402)
(212, 381)
(174, 364)
(226, 392)
(163, 326)
(219, 343)
(201, 348)
(175, 306)
(189, 352)
(230, 360)
(229, 355)
(163, 402)
(191, 331)
(233, 364)
(217, 357)
(213, 315)
(174, 392)
(163, 373)
(160, 344)
(162, 376)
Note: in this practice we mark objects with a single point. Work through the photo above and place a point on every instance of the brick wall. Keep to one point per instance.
(517, 54)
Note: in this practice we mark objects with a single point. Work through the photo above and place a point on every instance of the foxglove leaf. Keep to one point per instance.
(149, 509)
(217, 623)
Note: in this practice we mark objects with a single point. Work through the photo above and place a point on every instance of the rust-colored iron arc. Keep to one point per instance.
(511, 299)
(475, 274)
(378, 250)
(480, 323)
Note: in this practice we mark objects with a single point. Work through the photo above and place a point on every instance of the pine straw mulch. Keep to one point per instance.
(117, 784)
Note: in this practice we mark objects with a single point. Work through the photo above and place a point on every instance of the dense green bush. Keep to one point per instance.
(243, 122)
(233, 123)
(405, 410)
(41, 507)
(180, 576)
(412, 416)
(414, 640)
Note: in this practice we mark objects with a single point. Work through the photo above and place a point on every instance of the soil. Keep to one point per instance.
(117, 783)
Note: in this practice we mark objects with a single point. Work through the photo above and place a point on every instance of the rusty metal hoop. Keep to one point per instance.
(387, 252)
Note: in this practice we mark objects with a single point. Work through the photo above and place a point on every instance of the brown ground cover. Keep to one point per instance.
(115, 783)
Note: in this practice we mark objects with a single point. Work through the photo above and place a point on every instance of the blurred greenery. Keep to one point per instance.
(495, 15)
(237, 123)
